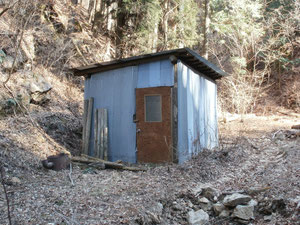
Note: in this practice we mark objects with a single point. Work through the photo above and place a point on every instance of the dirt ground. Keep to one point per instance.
(255, 151)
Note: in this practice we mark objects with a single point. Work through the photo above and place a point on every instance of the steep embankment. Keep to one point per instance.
(40, 101)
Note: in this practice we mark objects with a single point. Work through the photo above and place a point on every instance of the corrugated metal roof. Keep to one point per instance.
(186, 55)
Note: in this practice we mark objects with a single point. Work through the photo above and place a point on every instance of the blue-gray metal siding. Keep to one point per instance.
(115, 90)
(155, 74)
(197, 113)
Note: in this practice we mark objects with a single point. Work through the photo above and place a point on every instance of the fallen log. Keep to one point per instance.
(103, 164)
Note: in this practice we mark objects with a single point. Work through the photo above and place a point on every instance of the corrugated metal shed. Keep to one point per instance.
(197, 113)
(193, 99)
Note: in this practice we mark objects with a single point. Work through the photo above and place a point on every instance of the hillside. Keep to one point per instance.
(41, 106)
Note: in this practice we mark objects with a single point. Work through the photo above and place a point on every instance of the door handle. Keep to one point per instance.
(138, 130)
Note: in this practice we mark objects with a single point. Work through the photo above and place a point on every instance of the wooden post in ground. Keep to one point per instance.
(85, 112)
(101, 131)
(88, 125)
(96, 134)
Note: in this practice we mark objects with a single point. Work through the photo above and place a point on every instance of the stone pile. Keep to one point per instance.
(234, 205)
(206, 205)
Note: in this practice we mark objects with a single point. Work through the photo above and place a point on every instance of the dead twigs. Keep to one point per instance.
(70, 176)
(6, 194)
(6, 9)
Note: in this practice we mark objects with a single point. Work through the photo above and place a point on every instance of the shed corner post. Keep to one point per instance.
(174, 107)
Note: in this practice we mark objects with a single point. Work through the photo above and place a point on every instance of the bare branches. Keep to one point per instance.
(17, 47)
(70, 175)
(6, 9)
(5, 192)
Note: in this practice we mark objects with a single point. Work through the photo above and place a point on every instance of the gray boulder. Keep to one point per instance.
(205, 204)
(218, 208)
(210, 193)
(205, 190)
(39, 84)
(236, 199)
(8, 62)
(244, 212)
(198, 218)
(224, 213)
(38, 88)
(253, 203)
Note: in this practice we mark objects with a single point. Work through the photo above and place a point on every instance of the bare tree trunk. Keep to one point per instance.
(110, 25)
(155, 37)
(165, 18)
(181, 25)
(206, 23)
(85, 4)
(120, 29)
(93, 11)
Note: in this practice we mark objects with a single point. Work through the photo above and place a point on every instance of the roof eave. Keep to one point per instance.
(185, 54)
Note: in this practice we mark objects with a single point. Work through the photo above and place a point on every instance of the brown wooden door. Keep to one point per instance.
(153, 119)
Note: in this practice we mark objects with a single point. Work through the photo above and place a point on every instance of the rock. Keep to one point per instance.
(279, 205)
(241, 221)
(39, 84)
(8, 62)
(197, 190)
(15, 180)
(39, 98)
(244, 212)
(210, 193)
(39, 88)
(205, 204)
(7, 106)
(224, 213)
(204, 200)
(265, 207)
(158, 208)
(252, 202)
(23, 97)
(2, 54)
(177, 207)
(149, 218)
(236, 199)
(152, 216)
(198, 218)
(205, 190)
(218, 208)
(190, 204)
(268, 218)
(279, 135)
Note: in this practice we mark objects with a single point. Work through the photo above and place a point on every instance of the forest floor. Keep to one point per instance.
(255, 151)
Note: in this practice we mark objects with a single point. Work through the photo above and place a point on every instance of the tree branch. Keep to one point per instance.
(6, 195)
(6, 9)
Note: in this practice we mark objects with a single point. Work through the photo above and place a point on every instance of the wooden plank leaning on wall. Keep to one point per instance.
(87, 122)
(101, 133)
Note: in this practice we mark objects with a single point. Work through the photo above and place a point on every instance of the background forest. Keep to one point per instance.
(256, 42)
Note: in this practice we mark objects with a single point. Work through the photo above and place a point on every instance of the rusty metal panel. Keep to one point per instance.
(197, 113)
